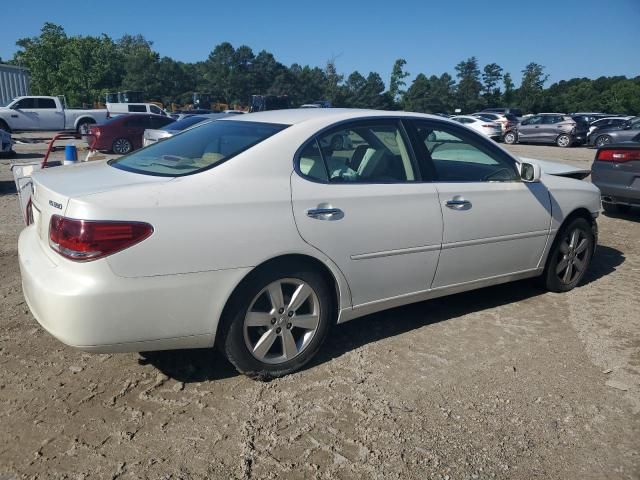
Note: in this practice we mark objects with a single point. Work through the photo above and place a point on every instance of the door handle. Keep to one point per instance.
(457, 203)
(325, 213)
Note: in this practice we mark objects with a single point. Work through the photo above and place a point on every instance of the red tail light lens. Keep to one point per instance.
(83, 240)
(618, 156)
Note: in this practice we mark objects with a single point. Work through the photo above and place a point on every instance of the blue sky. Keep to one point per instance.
(571, 38)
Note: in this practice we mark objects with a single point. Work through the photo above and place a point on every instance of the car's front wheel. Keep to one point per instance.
(570, 256)
(122, 146)
(277, 322)
(563, 141)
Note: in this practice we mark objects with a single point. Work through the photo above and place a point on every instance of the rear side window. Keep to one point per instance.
(136, 122)
(198, 149)
(159, 122)
(362, 152)
(46, 103)
(137, 108)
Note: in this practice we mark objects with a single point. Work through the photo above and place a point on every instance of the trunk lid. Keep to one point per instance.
(52, 188)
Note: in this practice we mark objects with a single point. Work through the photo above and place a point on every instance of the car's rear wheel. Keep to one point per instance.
(83, 127)
(510, 138)
(570, 256)
(276, 322)
(121, 146)
(563, 141)
(603, 140)
(615, 207)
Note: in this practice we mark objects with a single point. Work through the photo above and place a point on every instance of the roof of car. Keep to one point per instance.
(298, 115)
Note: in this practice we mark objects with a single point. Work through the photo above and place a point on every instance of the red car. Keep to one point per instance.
(123, 134)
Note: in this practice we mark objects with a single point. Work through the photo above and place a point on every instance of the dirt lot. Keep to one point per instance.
(505, 382)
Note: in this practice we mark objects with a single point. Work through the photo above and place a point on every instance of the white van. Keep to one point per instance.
(116, 109)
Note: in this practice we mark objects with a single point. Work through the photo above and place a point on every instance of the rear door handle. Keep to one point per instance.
(325, 213)
(457, 203)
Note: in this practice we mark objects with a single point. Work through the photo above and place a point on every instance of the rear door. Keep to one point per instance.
(494, 224)
(50, 116)
(359, 198)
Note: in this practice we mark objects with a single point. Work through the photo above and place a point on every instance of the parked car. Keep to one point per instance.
(46, 113)
(616, 172)
(480, 124)
(504, 110)
(506, 120)
(588, 117)
(246, 234)
(557, 128)
(6, 144)
(123, 134)
(153, 135)
(614, 134)
(605, 123)
(125, 108)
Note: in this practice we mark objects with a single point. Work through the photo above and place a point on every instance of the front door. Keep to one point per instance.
(25, 115)
(358, 197)
(494, 224)
(529, 130)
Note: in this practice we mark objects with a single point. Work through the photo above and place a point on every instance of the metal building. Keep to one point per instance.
(14, 82)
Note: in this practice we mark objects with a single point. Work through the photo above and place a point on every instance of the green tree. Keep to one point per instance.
(397, 79)
(491, 76)
(43, 56)
(509, 88)
(333, 90)
(469, 85)
(529, 94)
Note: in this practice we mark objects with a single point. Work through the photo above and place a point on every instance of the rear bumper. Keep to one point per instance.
(618, 183)
(87, 306)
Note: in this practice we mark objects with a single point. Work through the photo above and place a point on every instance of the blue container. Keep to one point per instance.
(70, 154)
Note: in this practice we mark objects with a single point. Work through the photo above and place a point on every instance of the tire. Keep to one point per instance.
(569, 257)
(261, 337)
(4, 126)
(337, 142)
(615, 208)
(83, 127)
(602, 140)
(510, 138)
(563, 141)
(121, 146)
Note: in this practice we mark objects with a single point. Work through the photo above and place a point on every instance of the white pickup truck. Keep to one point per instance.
(46, 113)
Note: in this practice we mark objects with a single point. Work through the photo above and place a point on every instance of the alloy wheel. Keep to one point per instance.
(281, 321)
(572, 256)
(563, 141)
(122, 146)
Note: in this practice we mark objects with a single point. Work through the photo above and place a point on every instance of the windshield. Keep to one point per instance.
(197, 149)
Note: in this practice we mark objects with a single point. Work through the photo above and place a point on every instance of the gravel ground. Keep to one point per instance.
(504, 382)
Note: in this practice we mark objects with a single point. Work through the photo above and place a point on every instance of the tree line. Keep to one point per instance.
(85, 68)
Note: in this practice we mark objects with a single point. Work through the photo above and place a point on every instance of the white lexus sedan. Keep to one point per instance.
(253, 234)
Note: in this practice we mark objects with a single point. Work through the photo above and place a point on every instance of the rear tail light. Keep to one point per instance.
(83, 240)
(618, 156)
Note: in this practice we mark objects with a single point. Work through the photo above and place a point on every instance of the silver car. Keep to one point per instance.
(152, 136)
(607, 135)
(616, 172)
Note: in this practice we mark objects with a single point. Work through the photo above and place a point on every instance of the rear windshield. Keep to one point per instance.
(197, 149)
(185, 123)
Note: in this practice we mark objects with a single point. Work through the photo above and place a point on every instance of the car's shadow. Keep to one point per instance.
(632, 215)
(7, 187)
(200, 365)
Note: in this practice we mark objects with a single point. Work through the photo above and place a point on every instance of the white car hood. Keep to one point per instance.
(558, 168)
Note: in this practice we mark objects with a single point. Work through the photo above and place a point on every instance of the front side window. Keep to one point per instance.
(155, 109)
(458, 156)
(367, 152)
(532, 121)
(26, 103)
(198, 149)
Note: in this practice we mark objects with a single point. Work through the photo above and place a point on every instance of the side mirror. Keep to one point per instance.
(530, 172)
